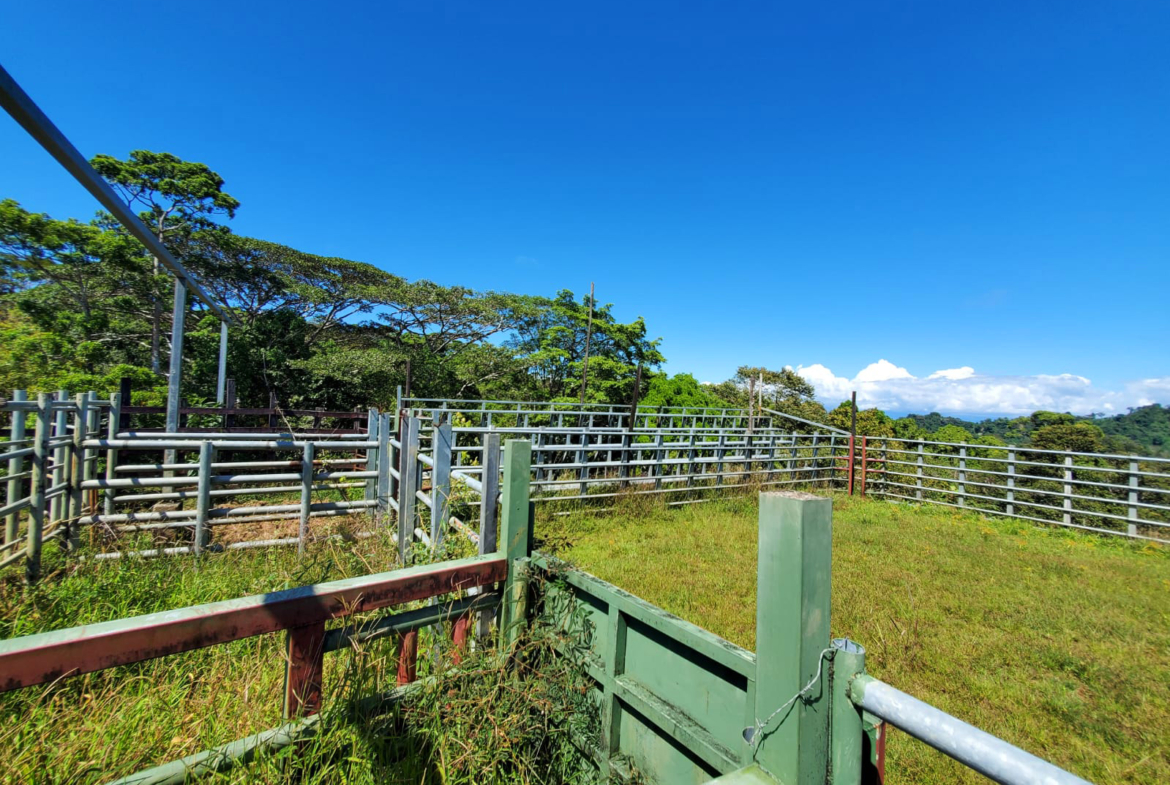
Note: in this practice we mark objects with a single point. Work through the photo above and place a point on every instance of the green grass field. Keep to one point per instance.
(1058, 642)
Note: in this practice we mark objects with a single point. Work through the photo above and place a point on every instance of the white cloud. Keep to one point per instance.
(963, 391)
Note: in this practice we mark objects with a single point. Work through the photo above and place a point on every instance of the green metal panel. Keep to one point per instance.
(673, 696)
(792, 635)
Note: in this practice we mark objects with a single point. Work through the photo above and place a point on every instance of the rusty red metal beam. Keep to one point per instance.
(36, 659)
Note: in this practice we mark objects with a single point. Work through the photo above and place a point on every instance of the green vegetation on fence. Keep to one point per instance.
(1056, 641)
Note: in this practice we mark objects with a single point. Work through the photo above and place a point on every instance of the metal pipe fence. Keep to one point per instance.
(70, 465)
(1121, 495)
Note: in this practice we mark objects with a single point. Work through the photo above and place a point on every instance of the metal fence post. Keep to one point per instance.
(918, 472)
(847, 736)
(1131, 529)
(962, 475)
(36, 520)
(60, 425)
(490, 480)
(372, 457)
(382, 504)
(15, 467)
(1010, 508)
(789, 731)
(75, 467)
(515, 536)
(306, 496)
(441, 440)
(816, 463)
(583, 459)
(203, 497)
(407, 486)
(864, 463)
(1068, 489)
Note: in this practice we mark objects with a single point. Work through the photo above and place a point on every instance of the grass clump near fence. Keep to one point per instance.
(482, 716)
(1056, 641)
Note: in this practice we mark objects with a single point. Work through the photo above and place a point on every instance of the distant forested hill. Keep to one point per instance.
(1144, 430)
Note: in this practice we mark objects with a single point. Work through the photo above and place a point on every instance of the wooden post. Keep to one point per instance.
(516, 536)
(305, 670)
(442, 437)
(229, 420)
(792, 634)
(15, 467)
(203, 497)
(37, 505)
(273, 422)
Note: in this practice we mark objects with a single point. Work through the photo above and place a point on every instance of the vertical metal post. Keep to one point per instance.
(305, 670)
(36, 519)
(89, 457)
(371, 490)
(488, 522)
(490, 480)
(442, 438)
(816, 463)
(15, 467)
(721, 453)
(1010, 508)
(76, 457)
(203, 497)
(515, 536)
(221, 378)
(60, 427)
(174, 380)
(962, 475)
(112, 427)
(583, 460)
(849, 464)
(1068, 489)
(792, 634)
(407, 486)
(918, 472)
(1131, 529)
(847, 741)
(306, 496)
(383, 495)
(864, 463)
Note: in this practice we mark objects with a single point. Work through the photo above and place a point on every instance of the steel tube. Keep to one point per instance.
(992, 757)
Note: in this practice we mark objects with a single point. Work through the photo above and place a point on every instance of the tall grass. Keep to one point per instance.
(1055, 640)
(497, 717)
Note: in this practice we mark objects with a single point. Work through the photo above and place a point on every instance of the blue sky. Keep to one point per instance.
(941, 186)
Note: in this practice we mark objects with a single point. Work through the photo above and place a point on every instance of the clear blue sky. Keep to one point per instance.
(938, 184)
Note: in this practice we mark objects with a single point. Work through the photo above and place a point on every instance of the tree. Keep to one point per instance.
(1074, 436)
(784, 391)
(176, 198)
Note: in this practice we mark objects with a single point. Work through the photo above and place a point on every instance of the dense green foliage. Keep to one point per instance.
(82, 305)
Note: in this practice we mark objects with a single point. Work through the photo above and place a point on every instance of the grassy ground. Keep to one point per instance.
(1056, 641)
(96, 727)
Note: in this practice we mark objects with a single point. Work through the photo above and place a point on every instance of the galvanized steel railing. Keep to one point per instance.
(1108, 494)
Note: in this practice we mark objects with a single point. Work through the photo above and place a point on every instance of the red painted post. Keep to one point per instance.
(306, 663)
(873, 764)
(459, 638)
(407, 657)
(864, 464)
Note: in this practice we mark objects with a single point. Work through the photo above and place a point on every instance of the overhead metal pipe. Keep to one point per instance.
(30, 117)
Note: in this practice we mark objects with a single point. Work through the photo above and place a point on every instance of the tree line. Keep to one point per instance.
(82, 305)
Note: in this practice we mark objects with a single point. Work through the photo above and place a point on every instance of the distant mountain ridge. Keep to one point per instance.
(1146, 427)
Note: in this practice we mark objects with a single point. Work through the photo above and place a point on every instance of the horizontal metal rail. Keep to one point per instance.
(992, 757)
(49, 656)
